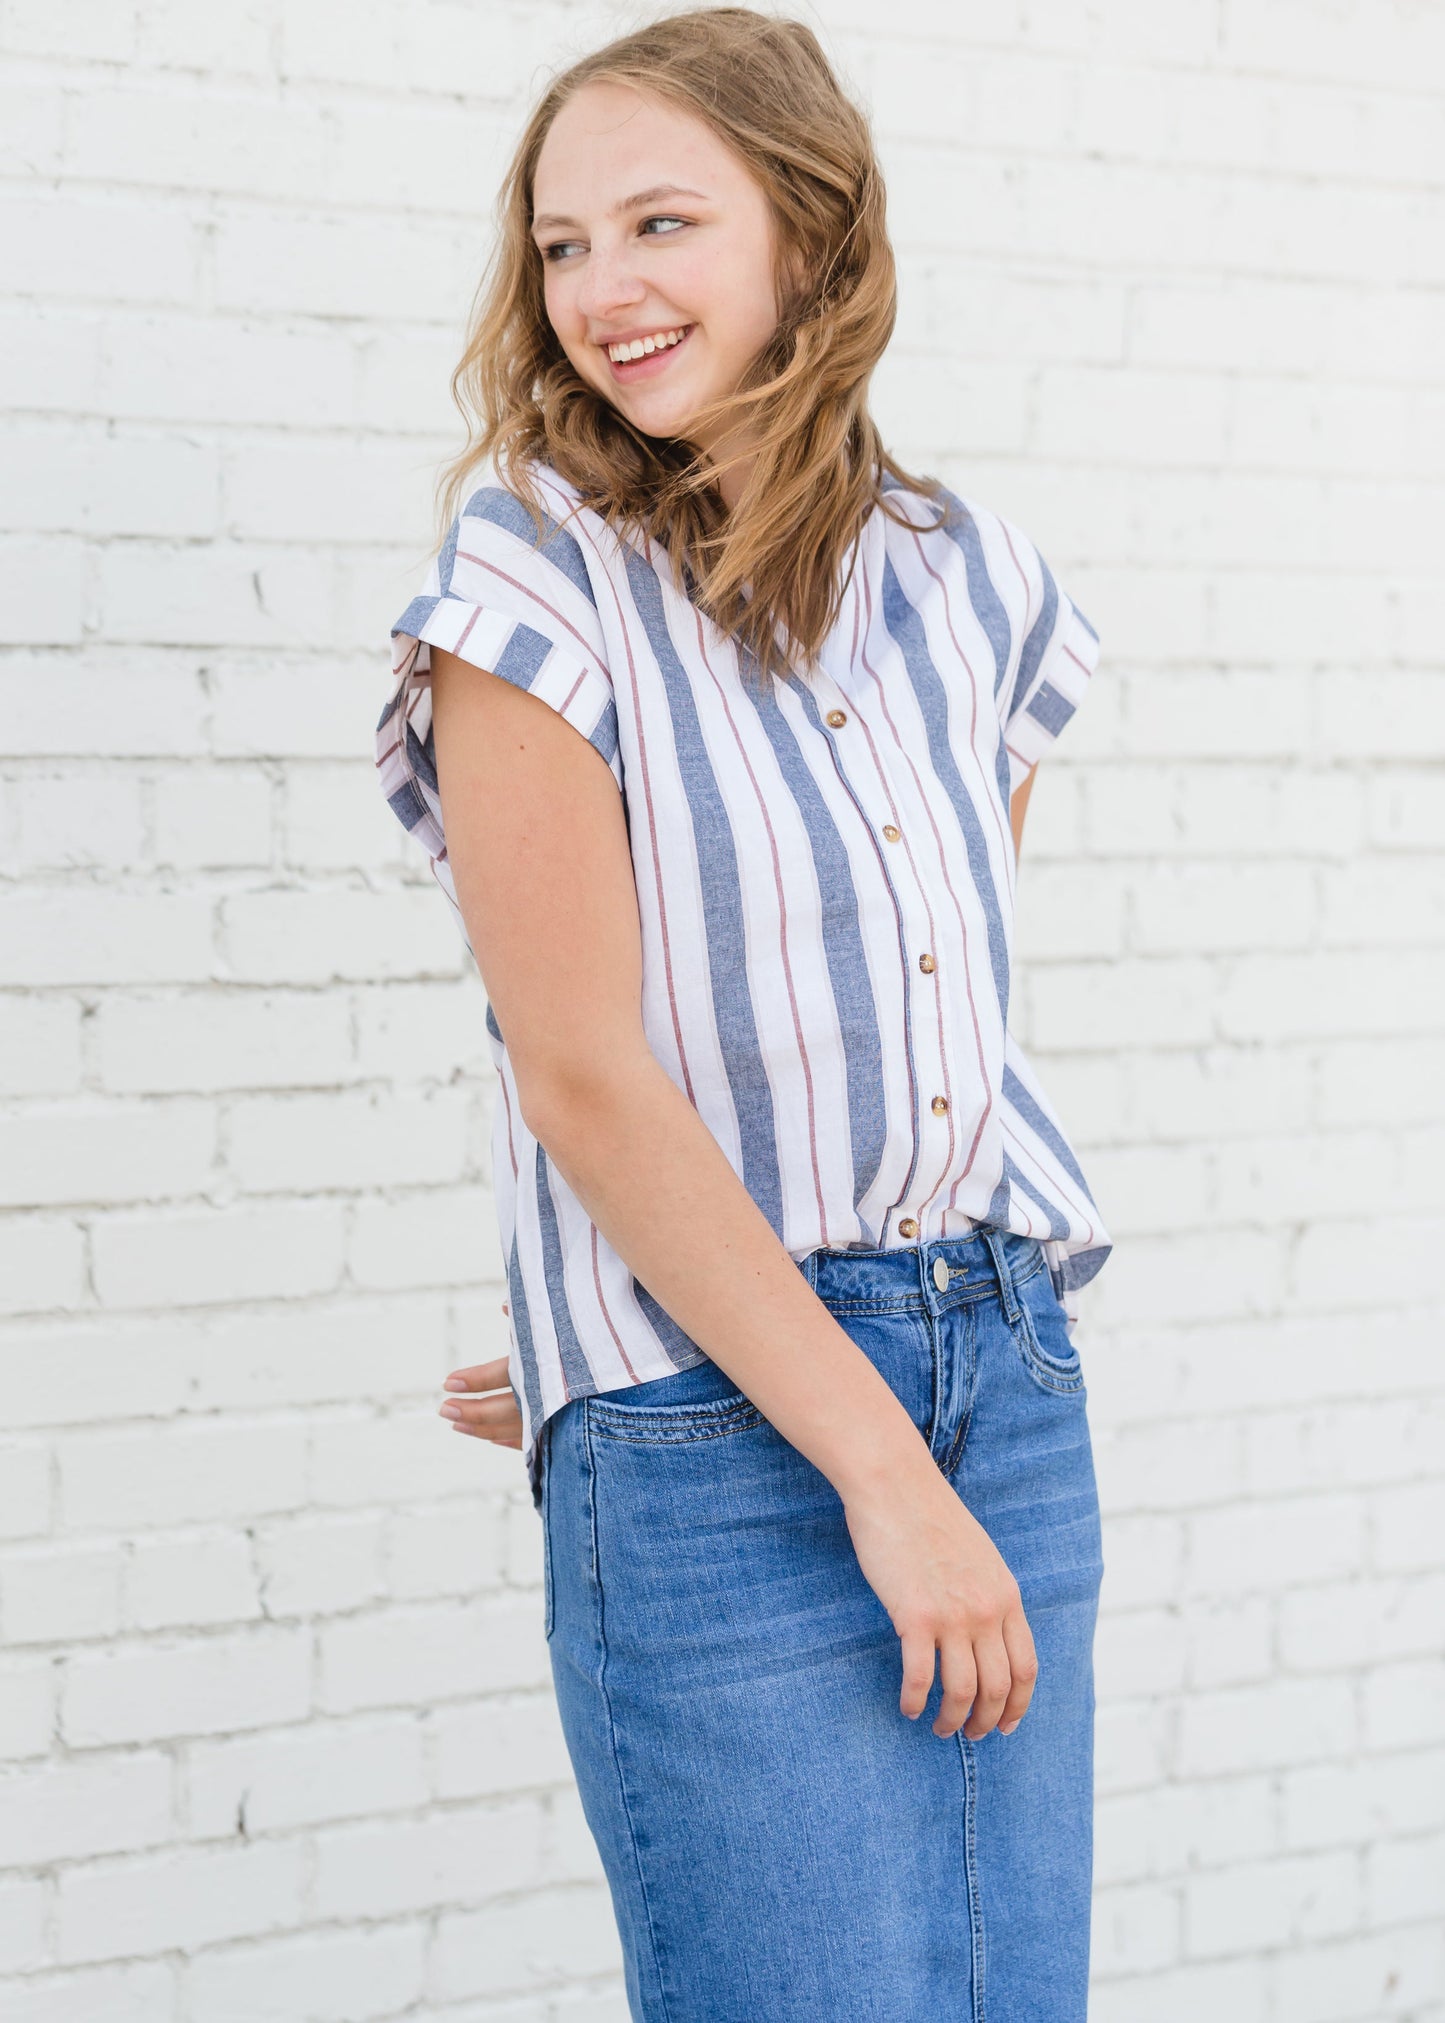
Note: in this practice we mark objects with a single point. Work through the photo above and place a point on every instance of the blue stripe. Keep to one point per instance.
(421, 757)
(1058, 1221)
(989, 608)
(854, 1005)
(1079, 1266)
(576, 1369)
(1052, 709)
(721, 892)
(415, 617)
(1045, 1131)
(556, 546)
(522, 1328)
(1040, 633)
(407, 805)
(906, 629)
(522, 658)
(682, 1350)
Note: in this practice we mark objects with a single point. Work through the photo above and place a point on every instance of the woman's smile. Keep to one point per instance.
(633, 356)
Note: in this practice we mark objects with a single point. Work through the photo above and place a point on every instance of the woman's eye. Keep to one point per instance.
(561, 247)
(667, 222)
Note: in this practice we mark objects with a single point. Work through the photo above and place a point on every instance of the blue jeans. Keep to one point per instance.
(783, 1845)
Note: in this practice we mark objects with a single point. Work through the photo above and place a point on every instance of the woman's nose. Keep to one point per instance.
(609, 284)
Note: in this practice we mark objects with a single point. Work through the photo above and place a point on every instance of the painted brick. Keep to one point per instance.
(247, 1039)
(302, 1776)
(432, 1652)
(186, 1898)
(519, 1943)
(82, 1150)
(442, 1861)
(147, 1992)
(184, 1473)
(349, 1139)
(512, 1744)
(146, 1692)
(280, 1250)
(62, 1593)
(109, 1803)
(367, 1972)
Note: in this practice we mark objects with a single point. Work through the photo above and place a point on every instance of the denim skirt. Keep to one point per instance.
(781, 1843)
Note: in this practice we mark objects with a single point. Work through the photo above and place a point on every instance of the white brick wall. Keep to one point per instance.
(277, 1732)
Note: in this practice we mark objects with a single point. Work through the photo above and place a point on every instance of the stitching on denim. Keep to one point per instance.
(612, 1727)
(549, 1579)
(653, 1432)
(1063, 1379)
(903, 1303)
(970, 1870)
(970, 1351)
(967, 1295)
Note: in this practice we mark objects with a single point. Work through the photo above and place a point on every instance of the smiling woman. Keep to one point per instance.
(704, 177)
(717, 728)
(660, 311)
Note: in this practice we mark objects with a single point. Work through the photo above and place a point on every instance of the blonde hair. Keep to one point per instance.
(769, 572)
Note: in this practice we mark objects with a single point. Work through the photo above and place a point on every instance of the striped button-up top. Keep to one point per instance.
(825, 879)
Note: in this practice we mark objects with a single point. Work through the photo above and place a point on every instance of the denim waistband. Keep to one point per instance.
(982, 1264)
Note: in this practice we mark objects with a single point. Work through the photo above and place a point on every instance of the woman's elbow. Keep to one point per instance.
(571, 1102)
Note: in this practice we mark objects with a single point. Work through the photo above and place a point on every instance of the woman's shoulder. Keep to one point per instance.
(936, 512)
(958, 528)
(538, 522)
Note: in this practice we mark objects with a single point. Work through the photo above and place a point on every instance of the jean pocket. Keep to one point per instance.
(1041, 1336)
(700, 1402)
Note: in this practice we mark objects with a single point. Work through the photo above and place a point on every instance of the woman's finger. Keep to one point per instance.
(959, 1671)
(917, 1672)
(480, 1377)
(992, 1661)
(1023, 1668)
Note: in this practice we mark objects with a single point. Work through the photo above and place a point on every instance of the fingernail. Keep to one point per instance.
(1007, 1728)
(451, 1411)
(455, 1384)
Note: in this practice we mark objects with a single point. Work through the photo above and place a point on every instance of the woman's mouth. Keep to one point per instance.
(644, 357)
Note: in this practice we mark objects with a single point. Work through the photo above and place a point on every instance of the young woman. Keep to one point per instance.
(718, 727)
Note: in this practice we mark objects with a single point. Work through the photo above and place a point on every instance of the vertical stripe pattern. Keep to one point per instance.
(825, 875)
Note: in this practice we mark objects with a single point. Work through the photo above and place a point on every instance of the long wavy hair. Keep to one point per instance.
(772, 571)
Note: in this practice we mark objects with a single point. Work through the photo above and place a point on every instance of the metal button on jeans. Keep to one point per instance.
(940, 1274)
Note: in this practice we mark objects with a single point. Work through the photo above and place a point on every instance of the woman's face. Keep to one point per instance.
(653, 237)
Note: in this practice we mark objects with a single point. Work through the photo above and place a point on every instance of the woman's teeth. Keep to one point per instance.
(641, 346)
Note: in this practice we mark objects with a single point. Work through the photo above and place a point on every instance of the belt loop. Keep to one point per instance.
(995, 1240)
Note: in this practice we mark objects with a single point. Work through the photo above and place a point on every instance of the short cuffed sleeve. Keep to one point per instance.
(521, 608)
(1057, 652)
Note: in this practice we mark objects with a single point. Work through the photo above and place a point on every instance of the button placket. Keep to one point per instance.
(913, 908)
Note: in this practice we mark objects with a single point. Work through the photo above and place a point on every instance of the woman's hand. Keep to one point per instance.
(494, 1416)
(944, 1583)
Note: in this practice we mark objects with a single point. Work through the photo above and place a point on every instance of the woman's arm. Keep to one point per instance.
(539, 853)
(1017, 807)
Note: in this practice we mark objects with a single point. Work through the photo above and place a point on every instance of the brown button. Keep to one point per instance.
(837, 716)
(926, 963)
(891, 833)
(908, 1227)
(940, 1106)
